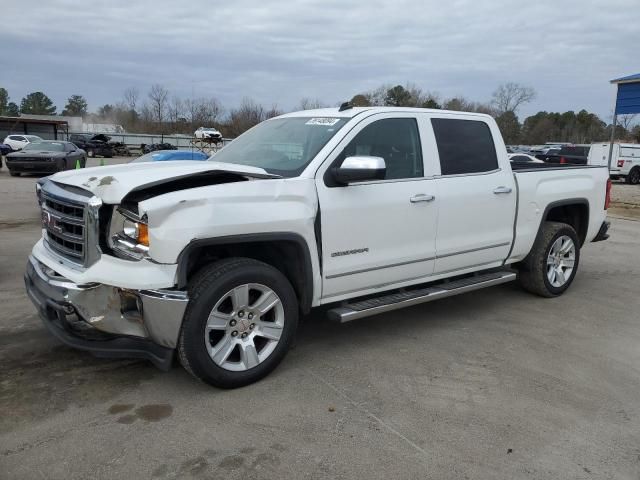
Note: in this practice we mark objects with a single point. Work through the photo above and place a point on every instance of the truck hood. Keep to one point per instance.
(112, 183)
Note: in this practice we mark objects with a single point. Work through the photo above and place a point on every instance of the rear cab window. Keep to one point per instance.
(464, 146)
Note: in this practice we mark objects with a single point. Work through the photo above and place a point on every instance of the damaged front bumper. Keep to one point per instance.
(106, 320)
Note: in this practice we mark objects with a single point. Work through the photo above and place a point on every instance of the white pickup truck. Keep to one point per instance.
(364, 210)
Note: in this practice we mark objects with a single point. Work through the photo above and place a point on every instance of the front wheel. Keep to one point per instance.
(14, 174)
(91, 153)
(553, 261)
(240, 322)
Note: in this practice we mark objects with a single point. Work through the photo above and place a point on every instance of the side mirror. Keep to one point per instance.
(358, 169)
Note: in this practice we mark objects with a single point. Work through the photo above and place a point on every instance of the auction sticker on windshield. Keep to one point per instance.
(325, 121)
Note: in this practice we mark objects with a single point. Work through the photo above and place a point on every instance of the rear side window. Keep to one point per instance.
(17, 138)
(464, 146)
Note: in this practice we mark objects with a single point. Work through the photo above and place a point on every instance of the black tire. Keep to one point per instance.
(209, 286)
(634, 176)
(14, 174)
(83, 162)
(533, 269)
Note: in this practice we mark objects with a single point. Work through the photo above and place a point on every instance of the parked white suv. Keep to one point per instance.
(17, 142)
(362, 210)
(625, 160)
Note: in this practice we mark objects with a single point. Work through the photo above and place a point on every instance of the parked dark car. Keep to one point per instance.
(48, 156)
(152, 147)
(94, 145)
(545, 154)
(570, 154)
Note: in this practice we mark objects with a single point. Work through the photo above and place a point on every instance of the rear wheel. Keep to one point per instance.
(14, 174)
(240, 322)
(634, 176)
(553, 261)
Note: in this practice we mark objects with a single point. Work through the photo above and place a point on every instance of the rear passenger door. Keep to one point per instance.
(477, 198)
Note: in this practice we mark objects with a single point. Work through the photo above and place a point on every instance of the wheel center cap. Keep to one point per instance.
(242, 325)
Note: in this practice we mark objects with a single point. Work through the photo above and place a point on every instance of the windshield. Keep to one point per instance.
(282, 146)
(45, 146)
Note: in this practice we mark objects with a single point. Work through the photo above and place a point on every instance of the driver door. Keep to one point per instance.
(380, 232)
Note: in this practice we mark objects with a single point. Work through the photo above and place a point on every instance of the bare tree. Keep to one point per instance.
(274, 111)
(203, 112)
(248, 114)
(310, 104)
(509, 96)
(175, 111)
(627, 121)
(146, 115)
(130, 102)
(130, 97)
(158, 96)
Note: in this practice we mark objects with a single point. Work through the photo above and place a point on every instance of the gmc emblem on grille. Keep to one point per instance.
(50, 222)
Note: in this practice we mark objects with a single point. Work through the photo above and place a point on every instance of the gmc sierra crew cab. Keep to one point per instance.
(363, 210)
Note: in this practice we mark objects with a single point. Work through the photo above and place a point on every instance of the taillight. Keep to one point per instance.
(607, 197)
(620, 163)
(563, 160)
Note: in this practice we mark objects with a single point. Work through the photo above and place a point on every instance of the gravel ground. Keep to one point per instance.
(625, 200)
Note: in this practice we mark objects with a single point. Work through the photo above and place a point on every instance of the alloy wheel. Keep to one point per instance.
(244, 327)
(560, 261)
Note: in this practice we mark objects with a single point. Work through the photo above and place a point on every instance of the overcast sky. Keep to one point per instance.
(280, 51)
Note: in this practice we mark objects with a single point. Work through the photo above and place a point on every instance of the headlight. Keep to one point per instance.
(129, 235)
(137, 231)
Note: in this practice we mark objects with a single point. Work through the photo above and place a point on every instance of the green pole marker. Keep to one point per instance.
(78, 164)
(102, 161)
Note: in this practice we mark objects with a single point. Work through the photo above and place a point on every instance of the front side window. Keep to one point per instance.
(464, 146)
(396, 140)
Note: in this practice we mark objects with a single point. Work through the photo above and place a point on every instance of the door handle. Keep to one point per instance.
(500, 190)
(422, 198)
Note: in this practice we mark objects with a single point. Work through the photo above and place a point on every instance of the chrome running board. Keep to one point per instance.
(406, 298)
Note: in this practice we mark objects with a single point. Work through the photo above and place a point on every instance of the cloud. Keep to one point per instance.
(280, 51)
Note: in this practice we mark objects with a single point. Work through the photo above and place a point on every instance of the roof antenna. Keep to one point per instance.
(345, 106)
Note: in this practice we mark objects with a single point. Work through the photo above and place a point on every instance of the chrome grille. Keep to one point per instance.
(70, 221)
(64, 224)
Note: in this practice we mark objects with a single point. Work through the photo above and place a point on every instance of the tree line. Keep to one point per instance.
(159, 111)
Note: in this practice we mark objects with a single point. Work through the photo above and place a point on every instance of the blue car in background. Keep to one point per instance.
(171, 155)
